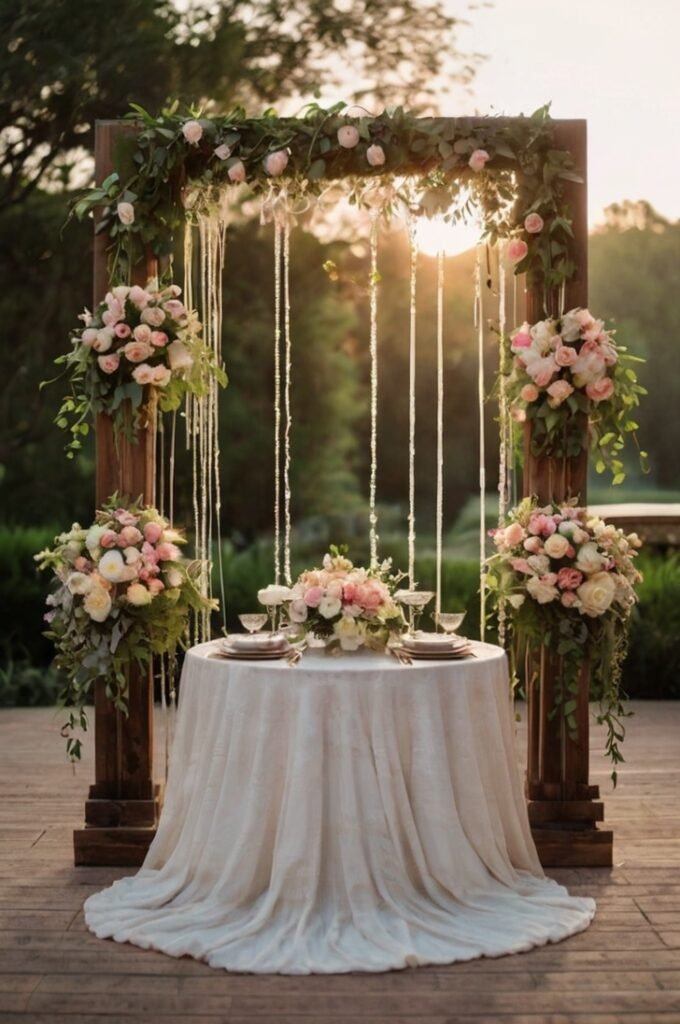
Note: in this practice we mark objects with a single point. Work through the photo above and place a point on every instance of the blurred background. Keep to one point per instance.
(64, 64)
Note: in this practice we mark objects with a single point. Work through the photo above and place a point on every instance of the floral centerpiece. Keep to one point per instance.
(568, 580)
(123, 594)
(346, 605)
(137, 337)
(569, 365)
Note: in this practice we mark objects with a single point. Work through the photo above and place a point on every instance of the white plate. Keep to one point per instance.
(253, 642)
(437, 643)
(225, 651)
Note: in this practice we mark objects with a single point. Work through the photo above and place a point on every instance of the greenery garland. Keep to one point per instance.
(508, 167)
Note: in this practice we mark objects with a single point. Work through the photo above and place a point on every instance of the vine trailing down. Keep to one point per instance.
(123, 595)
(568, 580)
(577, 387)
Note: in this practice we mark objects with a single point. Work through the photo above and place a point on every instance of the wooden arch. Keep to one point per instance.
(124, 801)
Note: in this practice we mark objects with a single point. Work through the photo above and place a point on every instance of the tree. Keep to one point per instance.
(66, 63)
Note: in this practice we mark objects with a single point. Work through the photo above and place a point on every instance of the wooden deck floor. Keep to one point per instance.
(625, 968)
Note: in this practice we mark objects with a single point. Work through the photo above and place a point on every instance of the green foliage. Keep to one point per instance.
(652, 668)
(27, 685)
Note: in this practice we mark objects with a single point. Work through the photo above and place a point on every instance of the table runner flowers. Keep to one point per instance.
(123, 594)
(571, 365)
(346, 605)
(567, 582)
(136, 338)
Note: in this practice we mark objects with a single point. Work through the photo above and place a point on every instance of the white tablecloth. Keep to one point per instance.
(346, 814)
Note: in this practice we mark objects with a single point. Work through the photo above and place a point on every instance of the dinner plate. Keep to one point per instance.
(225, 650)
(464, 652)
(433, 643)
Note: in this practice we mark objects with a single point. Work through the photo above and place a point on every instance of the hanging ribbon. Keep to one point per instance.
(440, 433)
(286, 384)
(277, 401)
(505, 427)
(373, 294)
(479, 324)
(413, 251)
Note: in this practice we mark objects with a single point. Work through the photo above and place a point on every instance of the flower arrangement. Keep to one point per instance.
(137, 337)
(348, 606)
(123, 594)
(571, 365)
(568, 580)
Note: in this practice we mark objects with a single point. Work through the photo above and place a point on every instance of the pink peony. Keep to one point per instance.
(158, 339)
(276, 163)
(375, 155)
(478, 159)
(168, 553)
(122, 330)
(137, 352)
(348, 136)
(150, 553)
(143, 374)
(237, 172)
(313, 597)
(108, 363)
(109, 539)
(540, 524)
(529, 393)
(600, 390)
(520, 565)
(559, 391)
(569, 579)
(152, 532)
(565, 355)
(533, 223)
(517, 250)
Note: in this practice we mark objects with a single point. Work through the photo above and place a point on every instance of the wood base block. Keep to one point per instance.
(566, 845)
(111, 847)
(559, 811)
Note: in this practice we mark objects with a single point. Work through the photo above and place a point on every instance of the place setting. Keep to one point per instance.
(254, 645)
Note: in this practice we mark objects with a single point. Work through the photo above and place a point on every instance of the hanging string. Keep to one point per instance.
(479, 324)
(221, 239)
(277, 402)
(287, 427)
(440, 433)
(373, 295)
(505, 426)
(413, 249)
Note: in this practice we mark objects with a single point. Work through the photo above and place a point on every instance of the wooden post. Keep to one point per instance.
(563, 806)
(123, 805)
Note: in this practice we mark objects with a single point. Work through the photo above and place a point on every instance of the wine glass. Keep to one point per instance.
(415, 601)
(450, 621)
(253, 621)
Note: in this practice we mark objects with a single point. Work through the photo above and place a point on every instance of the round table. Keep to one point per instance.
(349, 813)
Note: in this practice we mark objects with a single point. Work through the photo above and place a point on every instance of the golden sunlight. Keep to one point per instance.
(435, 235)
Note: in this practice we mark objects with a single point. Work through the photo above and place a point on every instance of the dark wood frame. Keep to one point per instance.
(123, 805)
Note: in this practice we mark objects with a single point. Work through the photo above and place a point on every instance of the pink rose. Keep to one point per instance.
(109, 539)
(237, 172)
(104, 340)
(568, 599)
(589, 365)
(142, 332)
(522, 340)
(559, 391)
(108, 363)
(478, 159)
(517, 250)
(143, 374)
(122, 331)
(529, 393)
(514, 534)
(542, 370)
(155, 586)
(534, 545)
(600, 390)
(276, 163)
(222, 152)
(174, 308)
(565, 355)
(125, 518)
(129, 537)
(375, 155)
(137, 351)
(159, 339)
(82, 564)
(348, 136)
(139, 297)
(161, 376)
(520, 565)
(541, 524)
(533, 223)
(150, 554)
(153, 315)
(313, 597)
(569, 579)
(168, 553)
(152, 532)
(192, 132)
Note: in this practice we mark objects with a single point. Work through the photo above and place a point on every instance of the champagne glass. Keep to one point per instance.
(415, 601)
(450, 621)
(253, 621)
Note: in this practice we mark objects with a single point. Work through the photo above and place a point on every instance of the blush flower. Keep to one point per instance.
(126, 213)
(109, 363)
(517, 250)
(478, 159)
(559, 391)
(348, 136)
(237, 172)
(192, 132)
(600, 390)
(375, 155)
(276, 163)
(533, 223)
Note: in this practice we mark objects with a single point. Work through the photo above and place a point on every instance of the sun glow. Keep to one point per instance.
(434, 235)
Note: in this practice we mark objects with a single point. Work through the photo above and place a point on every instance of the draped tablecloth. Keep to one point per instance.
(348, 814)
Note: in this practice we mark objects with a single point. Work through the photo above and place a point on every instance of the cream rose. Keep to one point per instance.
(597, 594)
(137, 351)
(111, 566)
(349, 632)
(97, 604)
(556, 546)
(179, 356)
(329, 606)
(138, 595)
(152, 315)
(589, 560)
(79, 583)
(541, 591)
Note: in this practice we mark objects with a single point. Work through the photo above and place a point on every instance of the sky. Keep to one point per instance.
(613, 62)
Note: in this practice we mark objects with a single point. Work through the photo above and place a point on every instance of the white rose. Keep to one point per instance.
(138, 296)
(329, 607)
(596, 594)
(192, 132)
(97, 604)
(179, 356)
(120, 292)
(298, 611)
(273, 595)
(79, 583)
(126, 213)
(541, 592)
(349, 632)
(153, 315)
(540, 564)
(132, 555)
(589, 560)
(103, 341)
(571, 326)
(111, 566)
(543, 334)
(138, 595)
(93, 536)
(556, 546)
